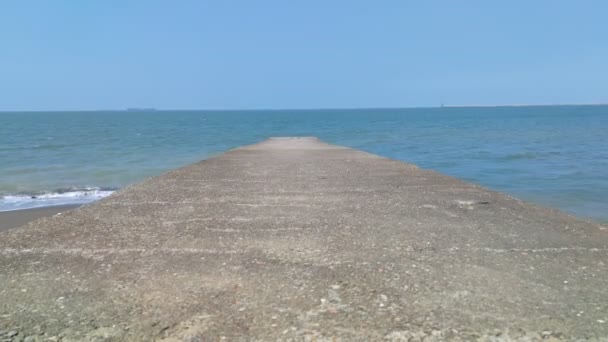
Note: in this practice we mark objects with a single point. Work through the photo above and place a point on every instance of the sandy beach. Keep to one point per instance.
(16, 218)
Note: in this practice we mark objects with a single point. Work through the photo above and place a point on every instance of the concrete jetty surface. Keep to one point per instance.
(296, 239)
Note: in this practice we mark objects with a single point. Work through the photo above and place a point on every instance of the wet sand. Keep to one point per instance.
(17, 218)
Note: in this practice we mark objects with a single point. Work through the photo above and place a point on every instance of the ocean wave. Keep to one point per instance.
(530, 155)
(20, 201)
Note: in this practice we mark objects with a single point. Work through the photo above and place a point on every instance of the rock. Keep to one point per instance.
(552, 339)
(105, 334)
(334, 296)
(12, 333)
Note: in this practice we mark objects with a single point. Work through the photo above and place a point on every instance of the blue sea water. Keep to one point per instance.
(556, 156)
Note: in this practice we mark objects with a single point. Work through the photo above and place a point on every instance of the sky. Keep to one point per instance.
(256, 54)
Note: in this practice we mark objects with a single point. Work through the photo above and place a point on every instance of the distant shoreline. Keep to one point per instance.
(526, 105)
(156, 110)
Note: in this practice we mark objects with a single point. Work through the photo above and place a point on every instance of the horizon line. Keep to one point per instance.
(154, 109)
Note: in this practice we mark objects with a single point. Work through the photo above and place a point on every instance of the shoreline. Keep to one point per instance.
(17, 218)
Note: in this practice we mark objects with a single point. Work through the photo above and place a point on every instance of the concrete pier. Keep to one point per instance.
(296, 239)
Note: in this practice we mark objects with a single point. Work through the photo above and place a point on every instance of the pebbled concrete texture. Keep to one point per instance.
(294, 239)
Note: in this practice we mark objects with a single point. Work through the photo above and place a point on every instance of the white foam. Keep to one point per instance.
(24, 201)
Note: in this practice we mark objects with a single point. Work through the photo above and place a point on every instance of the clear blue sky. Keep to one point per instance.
(300, 54)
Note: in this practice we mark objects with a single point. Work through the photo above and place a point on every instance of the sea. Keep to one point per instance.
(555, 156)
